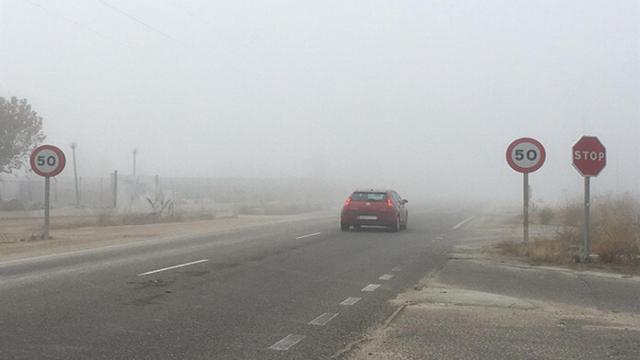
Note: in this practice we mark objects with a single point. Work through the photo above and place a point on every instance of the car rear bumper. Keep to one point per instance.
(382, 219)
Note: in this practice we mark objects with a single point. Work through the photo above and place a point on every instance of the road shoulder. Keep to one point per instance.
(481, 305)
(93, 237)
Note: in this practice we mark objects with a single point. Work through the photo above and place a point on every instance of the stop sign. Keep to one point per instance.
(589, 156)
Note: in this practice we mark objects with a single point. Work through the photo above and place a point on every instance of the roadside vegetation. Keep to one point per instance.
(21, 132)
(615, 232)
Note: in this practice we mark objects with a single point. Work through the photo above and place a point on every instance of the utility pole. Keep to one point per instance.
(100, 198)
(115, 189)
(135, 152)
(75, 172)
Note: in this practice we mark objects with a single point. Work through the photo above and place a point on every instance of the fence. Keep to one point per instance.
(153, 193)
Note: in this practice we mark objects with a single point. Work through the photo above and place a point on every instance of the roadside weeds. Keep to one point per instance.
(615, 234)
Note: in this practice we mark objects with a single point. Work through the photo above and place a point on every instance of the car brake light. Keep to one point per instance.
(347, 202)
(389, 203)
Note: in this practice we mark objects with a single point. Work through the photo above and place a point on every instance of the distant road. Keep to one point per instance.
(295, 290)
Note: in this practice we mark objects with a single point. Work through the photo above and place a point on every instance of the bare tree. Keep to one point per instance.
(20, 132)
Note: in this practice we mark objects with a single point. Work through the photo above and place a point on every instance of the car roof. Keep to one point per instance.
(373, 190)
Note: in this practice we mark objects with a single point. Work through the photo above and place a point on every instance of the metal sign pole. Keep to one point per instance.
(587, 216)
(47, 184)
(525, 209)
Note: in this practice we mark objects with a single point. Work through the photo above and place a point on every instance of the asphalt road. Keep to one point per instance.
(266, 292)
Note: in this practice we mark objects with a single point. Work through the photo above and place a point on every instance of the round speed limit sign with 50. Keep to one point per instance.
(526, 155)
(47, 160)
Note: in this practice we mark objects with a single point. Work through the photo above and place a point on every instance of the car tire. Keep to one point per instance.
(396, 227)
(344, 227)
(403, 226)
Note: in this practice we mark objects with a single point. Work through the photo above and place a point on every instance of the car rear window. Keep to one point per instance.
(369, 196)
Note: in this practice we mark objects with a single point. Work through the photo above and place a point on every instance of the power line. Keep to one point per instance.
(193, 49)
(133, 18)
(199, 18)
(77, 23)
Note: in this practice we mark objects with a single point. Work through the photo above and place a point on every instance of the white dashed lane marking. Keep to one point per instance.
(396, 269)
(386, 277)
(287, 342)
(308, 235)
(350, 301)
(323, 319)
(173, 267)
(462, 223)
(371, 287)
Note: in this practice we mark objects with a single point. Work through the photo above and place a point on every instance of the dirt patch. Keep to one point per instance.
(462, 297)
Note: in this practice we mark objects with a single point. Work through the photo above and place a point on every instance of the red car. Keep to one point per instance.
(374, 207)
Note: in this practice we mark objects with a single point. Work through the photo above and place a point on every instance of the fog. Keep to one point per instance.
(419, 96)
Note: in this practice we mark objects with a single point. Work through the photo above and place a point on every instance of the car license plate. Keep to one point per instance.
(367, 217)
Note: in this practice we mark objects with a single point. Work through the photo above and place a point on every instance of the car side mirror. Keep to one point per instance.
(404, 201)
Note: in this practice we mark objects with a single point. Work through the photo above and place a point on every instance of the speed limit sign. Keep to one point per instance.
(47, 160)
(526, 155)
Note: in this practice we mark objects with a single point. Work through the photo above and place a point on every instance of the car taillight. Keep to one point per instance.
(347, 202)
(389, 203)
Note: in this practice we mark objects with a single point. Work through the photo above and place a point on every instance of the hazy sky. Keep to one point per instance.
(422, 96)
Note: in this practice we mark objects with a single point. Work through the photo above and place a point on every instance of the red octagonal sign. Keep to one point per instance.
(589, 156)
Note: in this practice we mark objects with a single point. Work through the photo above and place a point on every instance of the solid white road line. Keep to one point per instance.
(371, 287)
(287, 342)
(386, 277)
(462, 223)
(173, 267)
(350, 301)
(308, 235)
(323, 319)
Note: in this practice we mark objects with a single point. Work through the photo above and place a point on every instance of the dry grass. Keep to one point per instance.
(512, 248)
(545, 216)
(544, 251)
(615, 233)
(555, 251)
(616, 229)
